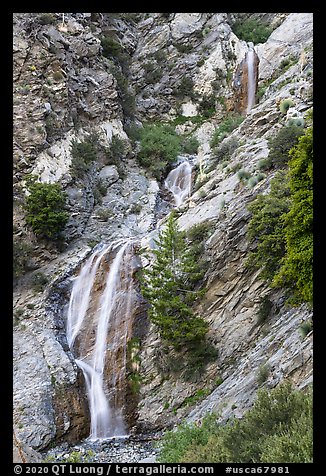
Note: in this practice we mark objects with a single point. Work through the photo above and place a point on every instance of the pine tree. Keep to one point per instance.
(168, 286)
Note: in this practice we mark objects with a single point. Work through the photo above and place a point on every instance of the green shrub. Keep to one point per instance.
(175, 443)
(251, 30)
(252, 181)
(82, 154)
(102, 187)
(225, 150)
(127, 97)
(116, 151)
(198, 396)
(207, 106)
(160, 56)
(296, 271)
(305, 328)
(153, 73)
(243, 175)
(285, 104)
(159, 147)
(264, 164)
(281, 225)
(185, 88)
(218, 381)
(280, 145)
(39, 281)
(57, 76)
(225, 128)
(46, 18)
(260, 92)
(21, 254)
(183, 48)
(265, 307)
(45, 209)
(190, 145)
(110, 47)
(296, 121)
(263, 373)
(266, 227)
(277, 429)
(200, 232)
(286, 63)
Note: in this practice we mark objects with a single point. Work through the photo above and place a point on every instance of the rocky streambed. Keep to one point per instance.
(133, 449)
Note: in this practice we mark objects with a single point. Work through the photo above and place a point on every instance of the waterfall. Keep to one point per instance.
(251, 92)
(98, 327)
(178, 182)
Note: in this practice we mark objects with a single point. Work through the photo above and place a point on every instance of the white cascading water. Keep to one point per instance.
(110, 314)
(178, 182)
(251, 93)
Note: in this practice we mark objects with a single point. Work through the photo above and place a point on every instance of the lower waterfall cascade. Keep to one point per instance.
(103, 311)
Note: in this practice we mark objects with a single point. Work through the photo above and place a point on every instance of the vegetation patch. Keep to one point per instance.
(251, 30)
(225, 128)
(39, 281)
(82, 154)
(280, 145)
(207, 106)
(159, 147)
(265, 308)
(305, 328)
(185, 88)
(285, 105)
(44, 208)
(281, 225)
(169, 285)
(189, 145)
(277, 429)
(21, 254)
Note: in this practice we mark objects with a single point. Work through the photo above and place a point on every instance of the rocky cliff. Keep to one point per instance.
(66, 87)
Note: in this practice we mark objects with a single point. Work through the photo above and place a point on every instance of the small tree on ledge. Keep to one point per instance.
(168, 285)
(45, 209)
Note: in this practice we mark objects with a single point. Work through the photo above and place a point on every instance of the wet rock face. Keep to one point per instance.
(240, 83)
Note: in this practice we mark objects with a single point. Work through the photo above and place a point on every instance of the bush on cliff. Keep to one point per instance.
(45, 209)
(280, 145)
(251, 30)
(281, 225)
(159, 146)
(277, 429)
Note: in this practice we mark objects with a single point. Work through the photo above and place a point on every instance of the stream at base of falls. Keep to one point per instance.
(135, 449)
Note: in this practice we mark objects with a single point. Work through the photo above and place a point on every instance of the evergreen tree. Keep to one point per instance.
(296, 271)
(45, 209)
(168, 286)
